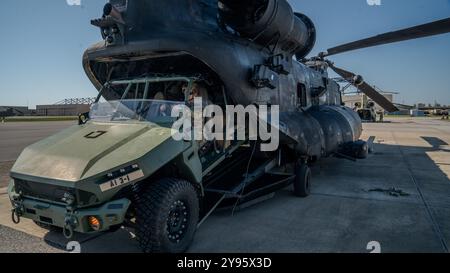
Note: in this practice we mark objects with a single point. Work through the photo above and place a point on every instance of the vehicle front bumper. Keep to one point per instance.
(110, 214)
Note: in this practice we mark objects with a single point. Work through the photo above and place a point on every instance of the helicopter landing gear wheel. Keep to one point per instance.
(302, 180)
(167, 214)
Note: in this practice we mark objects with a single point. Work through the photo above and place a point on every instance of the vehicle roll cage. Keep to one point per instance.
(147, 81)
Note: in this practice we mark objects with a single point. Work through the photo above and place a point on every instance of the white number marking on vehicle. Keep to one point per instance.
(121, 181)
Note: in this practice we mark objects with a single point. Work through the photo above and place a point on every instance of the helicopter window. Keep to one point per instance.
(301, 95)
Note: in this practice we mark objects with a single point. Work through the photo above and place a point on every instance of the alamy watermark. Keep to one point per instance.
(374, 2)
(210, 123)
(374, 247)
(73, 2)
(73, 247)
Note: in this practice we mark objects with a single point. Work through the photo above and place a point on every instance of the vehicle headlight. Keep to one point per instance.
(94, 223)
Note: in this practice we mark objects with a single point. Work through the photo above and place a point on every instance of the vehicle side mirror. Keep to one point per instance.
(83, 118)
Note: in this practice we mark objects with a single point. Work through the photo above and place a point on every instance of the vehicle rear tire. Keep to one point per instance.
(167, 214)
(302, 181)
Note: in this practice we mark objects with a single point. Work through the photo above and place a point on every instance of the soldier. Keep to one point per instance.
(381, 116)
(162, 109)
(199, 91)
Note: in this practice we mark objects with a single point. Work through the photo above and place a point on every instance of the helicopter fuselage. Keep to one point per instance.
(191, 41)
(310, 102)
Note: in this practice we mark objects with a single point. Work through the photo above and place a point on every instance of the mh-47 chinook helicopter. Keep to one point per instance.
(366, 111)
(120, 166)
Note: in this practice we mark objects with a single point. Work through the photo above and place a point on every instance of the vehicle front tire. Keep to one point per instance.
(302, 181)
(167, 214)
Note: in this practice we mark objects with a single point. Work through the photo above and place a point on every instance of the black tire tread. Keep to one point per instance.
(299, 183)
(149, 209)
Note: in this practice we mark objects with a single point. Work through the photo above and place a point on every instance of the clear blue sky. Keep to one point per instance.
(42, 43)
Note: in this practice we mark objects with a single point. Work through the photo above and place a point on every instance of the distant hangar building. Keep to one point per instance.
(10, 111)
(67, 107)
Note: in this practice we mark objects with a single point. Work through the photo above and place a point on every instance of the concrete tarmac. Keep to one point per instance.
(352, 203)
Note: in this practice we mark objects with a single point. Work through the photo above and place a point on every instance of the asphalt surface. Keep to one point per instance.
(16, 136)
(13, 241)
(399, 197)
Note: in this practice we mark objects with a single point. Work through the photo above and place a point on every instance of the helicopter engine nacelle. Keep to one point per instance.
(270, 22)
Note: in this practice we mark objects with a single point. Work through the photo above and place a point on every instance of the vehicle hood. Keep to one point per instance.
(83, 151)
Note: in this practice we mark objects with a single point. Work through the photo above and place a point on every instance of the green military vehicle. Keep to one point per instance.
(121, 166)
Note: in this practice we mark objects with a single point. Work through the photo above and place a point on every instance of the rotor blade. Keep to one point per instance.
(367, 89)
(421, 31)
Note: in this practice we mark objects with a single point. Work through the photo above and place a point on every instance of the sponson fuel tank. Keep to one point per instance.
(321, 130)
